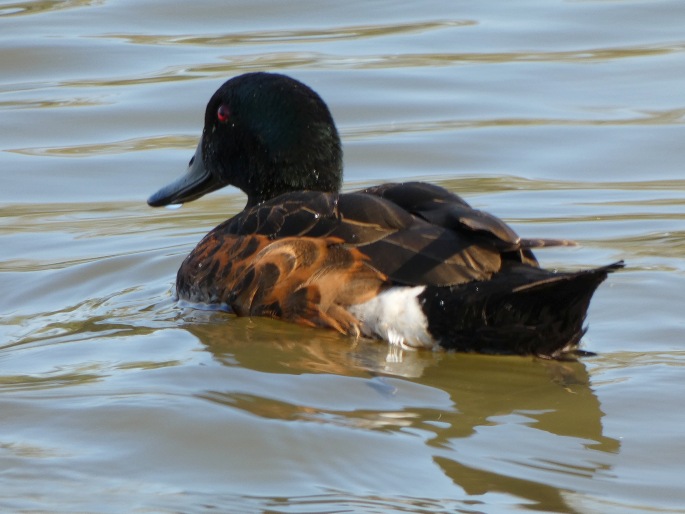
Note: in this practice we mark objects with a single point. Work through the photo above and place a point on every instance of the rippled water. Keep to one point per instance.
(564, 118)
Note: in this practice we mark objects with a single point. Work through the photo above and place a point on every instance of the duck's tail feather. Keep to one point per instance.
(523, 310)
(546, 243)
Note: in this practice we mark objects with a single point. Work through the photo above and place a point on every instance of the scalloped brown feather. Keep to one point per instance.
(304, 280)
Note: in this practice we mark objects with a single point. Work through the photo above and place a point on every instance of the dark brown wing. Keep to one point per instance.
(414, 233)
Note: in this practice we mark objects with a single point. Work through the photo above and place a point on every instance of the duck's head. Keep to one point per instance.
(266, 134)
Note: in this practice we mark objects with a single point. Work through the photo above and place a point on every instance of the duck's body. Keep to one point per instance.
(409, 263)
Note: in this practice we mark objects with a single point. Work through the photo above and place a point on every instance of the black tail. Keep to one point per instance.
(522, 310)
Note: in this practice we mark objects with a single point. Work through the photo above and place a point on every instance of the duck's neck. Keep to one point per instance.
(291, 180)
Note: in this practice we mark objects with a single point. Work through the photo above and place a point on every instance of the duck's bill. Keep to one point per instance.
(197, 181)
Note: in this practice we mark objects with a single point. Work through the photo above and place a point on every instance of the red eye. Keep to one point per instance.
(223, 114)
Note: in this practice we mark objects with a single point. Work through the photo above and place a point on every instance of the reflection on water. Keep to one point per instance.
(131, 145)
(39, 7)
(293, 36)
(492, 399)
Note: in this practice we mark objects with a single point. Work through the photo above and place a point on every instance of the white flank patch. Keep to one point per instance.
(395, 316)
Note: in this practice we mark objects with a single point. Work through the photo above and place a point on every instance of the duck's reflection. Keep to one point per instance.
(518, 426)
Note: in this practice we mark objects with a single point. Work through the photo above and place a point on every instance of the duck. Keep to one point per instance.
(410, 263)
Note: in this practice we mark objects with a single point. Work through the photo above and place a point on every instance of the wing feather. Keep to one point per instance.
(415, 233)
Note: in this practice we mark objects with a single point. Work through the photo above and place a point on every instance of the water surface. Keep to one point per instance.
(564, 118)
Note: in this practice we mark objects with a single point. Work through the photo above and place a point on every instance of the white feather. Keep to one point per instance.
(395, 315)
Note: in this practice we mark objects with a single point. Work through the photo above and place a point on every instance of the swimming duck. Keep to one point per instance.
(410, 263)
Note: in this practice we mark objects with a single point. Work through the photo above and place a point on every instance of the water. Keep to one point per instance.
(564, 118)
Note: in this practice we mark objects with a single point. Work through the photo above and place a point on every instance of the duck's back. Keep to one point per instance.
(414, 233)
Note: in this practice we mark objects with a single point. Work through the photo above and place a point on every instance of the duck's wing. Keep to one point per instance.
(443, 208)
(414, 233)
